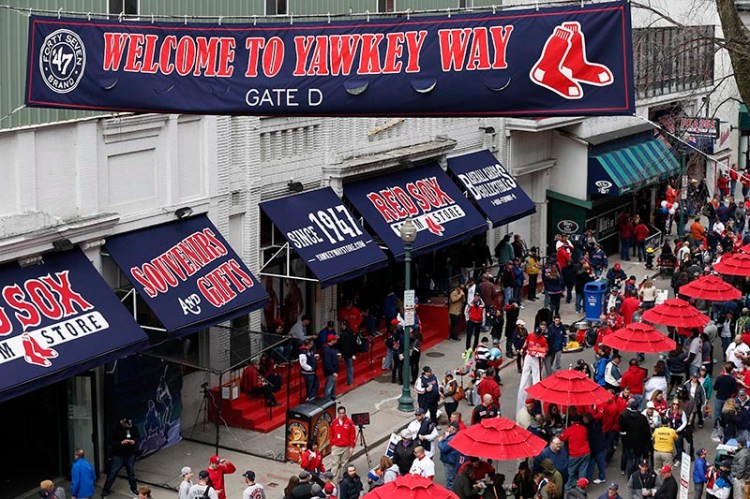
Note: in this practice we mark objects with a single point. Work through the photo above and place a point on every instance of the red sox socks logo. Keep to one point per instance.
(563, 66)
(35, 354)
(434, 227)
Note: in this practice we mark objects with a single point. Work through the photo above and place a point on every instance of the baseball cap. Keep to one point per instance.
(203, 474)
(214, 459)
(330, 337)
(328, 475)
(185, 470)
(395, 322)
(582, 482)
(250, 475)
(614, 486)
(520, 322)
(702, 451)
(633, 404)
(304, 475)
(426, 369)
(650, 405)
(666, 469)
(454, 425)
(644, 462)
(530, 401)
(419, 411)
(328, 488)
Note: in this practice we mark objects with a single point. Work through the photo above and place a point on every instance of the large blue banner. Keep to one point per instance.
(57, 319)
(546, 62)
(326, 235)
(187, 273)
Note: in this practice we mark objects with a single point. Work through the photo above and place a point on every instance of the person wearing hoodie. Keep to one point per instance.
(636, 437)
(598, 445)
(634, 377)
(554, 476)
(579, 491)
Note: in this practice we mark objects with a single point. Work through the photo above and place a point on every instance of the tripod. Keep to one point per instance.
(202, 409)
(361, 439)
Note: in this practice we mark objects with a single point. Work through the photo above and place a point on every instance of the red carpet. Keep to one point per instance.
(252, 413)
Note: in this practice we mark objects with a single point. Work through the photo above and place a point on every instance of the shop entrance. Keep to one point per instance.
(34, 438)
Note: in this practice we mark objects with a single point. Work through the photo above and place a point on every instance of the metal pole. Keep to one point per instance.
(405, 402)
(218, 413)
(681, 227)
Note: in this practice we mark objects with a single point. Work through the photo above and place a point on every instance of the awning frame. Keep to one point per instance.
(287, 250)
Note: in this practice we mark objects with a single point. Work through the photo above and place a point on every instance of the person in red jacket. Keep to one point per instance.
(628, 307)
(343, 440)
(634, 378)
(217, 468)
(489, 386)
(351, 315)
(641, 233)
(577, 437)
(254, 384)
(608, 414)
(311, 460)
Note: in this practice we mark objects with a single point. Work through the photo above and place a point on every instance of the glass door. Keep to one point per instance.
(82, 432)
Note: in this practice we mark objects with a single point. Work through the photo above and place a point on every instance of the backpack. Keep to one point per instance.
(601, 366)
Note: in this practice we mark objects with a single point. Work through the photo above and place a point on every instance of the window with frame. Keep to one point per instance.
(465, 4)
(386, 5)
(672, 59)
(127, 7)
(277, 8)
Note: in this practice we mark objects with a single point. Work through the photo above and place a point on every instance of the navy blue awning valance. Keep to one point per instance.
(495, 191)
(321, 229)
(187, 273)
(440, 211)
(58, 319)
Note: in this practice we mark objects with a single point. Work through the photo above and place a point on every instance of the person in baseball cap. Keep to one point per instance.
(582, 483)
(204, 487)
(612, 492)
(668, 488)
(253, 489)
(187, 474)
(217, 468)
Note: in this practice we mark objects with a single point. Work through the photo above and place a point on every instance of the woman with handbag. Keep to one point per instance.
(450, 393)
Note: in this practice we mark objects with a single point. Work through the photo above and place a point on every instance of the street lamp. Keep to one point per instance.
(408, 234)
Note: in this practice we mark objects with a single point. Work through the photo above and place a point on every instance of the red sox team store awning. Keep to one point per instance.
(58, 319)
(440, 211)
(321, 229)
(187, 274)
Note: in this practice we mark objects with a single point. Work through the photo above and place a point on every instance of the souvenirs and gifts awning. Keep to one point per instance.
(187, 273)
(323, 231)
(440, 211)
(57, 319)
(495, 191)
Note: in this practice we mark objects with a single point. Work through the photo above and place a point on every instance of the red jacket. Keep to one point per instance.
(634, 377)
(250, 379)
(312, 463)
(628, 307)
(577, 437)
(490, 386)
(343, 433)
(563, 256)
(352, 316)
(217, 477)
(641, 232)
(609, 415)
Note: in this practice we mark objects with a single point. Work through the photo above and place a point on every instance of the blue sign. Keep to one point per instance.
(187, 273)
(495, 190)
(565, 61)
(326, 235)
(439, 210)
(57, 319)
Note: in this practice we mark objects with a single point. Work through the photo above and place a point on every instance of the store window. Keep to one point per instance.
(127, 7)
(277, 8)
(386, 5)
(671, 59)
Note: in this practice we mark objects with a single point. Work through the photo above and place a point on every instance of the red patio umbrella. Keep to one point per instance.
(639, 337)
(737, 264)
(497, 438)
(676, 313)
(711, 288)
(411, 487)
(745, 248)
(569, 388)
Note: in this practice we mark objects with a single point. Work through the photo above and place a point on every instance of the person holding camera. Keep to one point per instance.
(123, 442)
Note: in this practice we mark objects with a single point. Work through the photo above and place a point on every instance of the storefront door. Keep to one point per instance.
(82, 432)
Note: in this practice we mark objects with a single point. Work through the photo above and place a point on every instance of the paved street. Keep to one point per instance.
(379, 398)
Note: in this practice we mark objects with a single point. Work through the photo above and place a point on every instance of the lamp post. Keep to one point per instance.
(408, 234)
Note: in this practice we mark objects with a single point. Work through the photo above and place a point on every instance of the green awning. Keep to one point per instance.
(744, 121)
(628, 168)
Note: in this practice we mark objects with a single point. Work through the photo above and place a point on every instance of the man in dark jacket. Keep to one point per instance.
(740, 466)
(448, 455)
(557, 338)
(569, 276)
(643, 480)
(668, 489)
(428, 392)
(636, 437)
(347, 345)
(330, 358)
(403, 454)
(579, 491)
(598, 445)
(123, 441)
(350, 486)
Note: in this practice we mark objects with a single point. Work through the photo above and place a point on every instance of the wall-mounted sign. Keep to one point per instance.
(567, 226)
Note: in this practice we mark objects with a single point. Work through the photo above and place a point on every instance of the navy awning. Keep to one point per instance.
(187, 273)
(58, 319)
(495, 191)
(326, 235)
(440, 211)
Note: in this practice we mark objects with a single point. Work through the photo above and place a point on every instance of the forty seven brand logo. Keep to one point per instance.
(186, 258)
(423, 200)
(49, 297)
(62, 60)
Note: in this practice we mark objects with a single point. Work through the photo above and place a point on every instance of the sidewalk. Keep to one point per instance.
(379, 397)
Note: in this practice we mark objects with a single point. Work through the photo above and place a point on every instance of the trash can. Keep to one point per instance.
(593, 298)
(308, 421)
